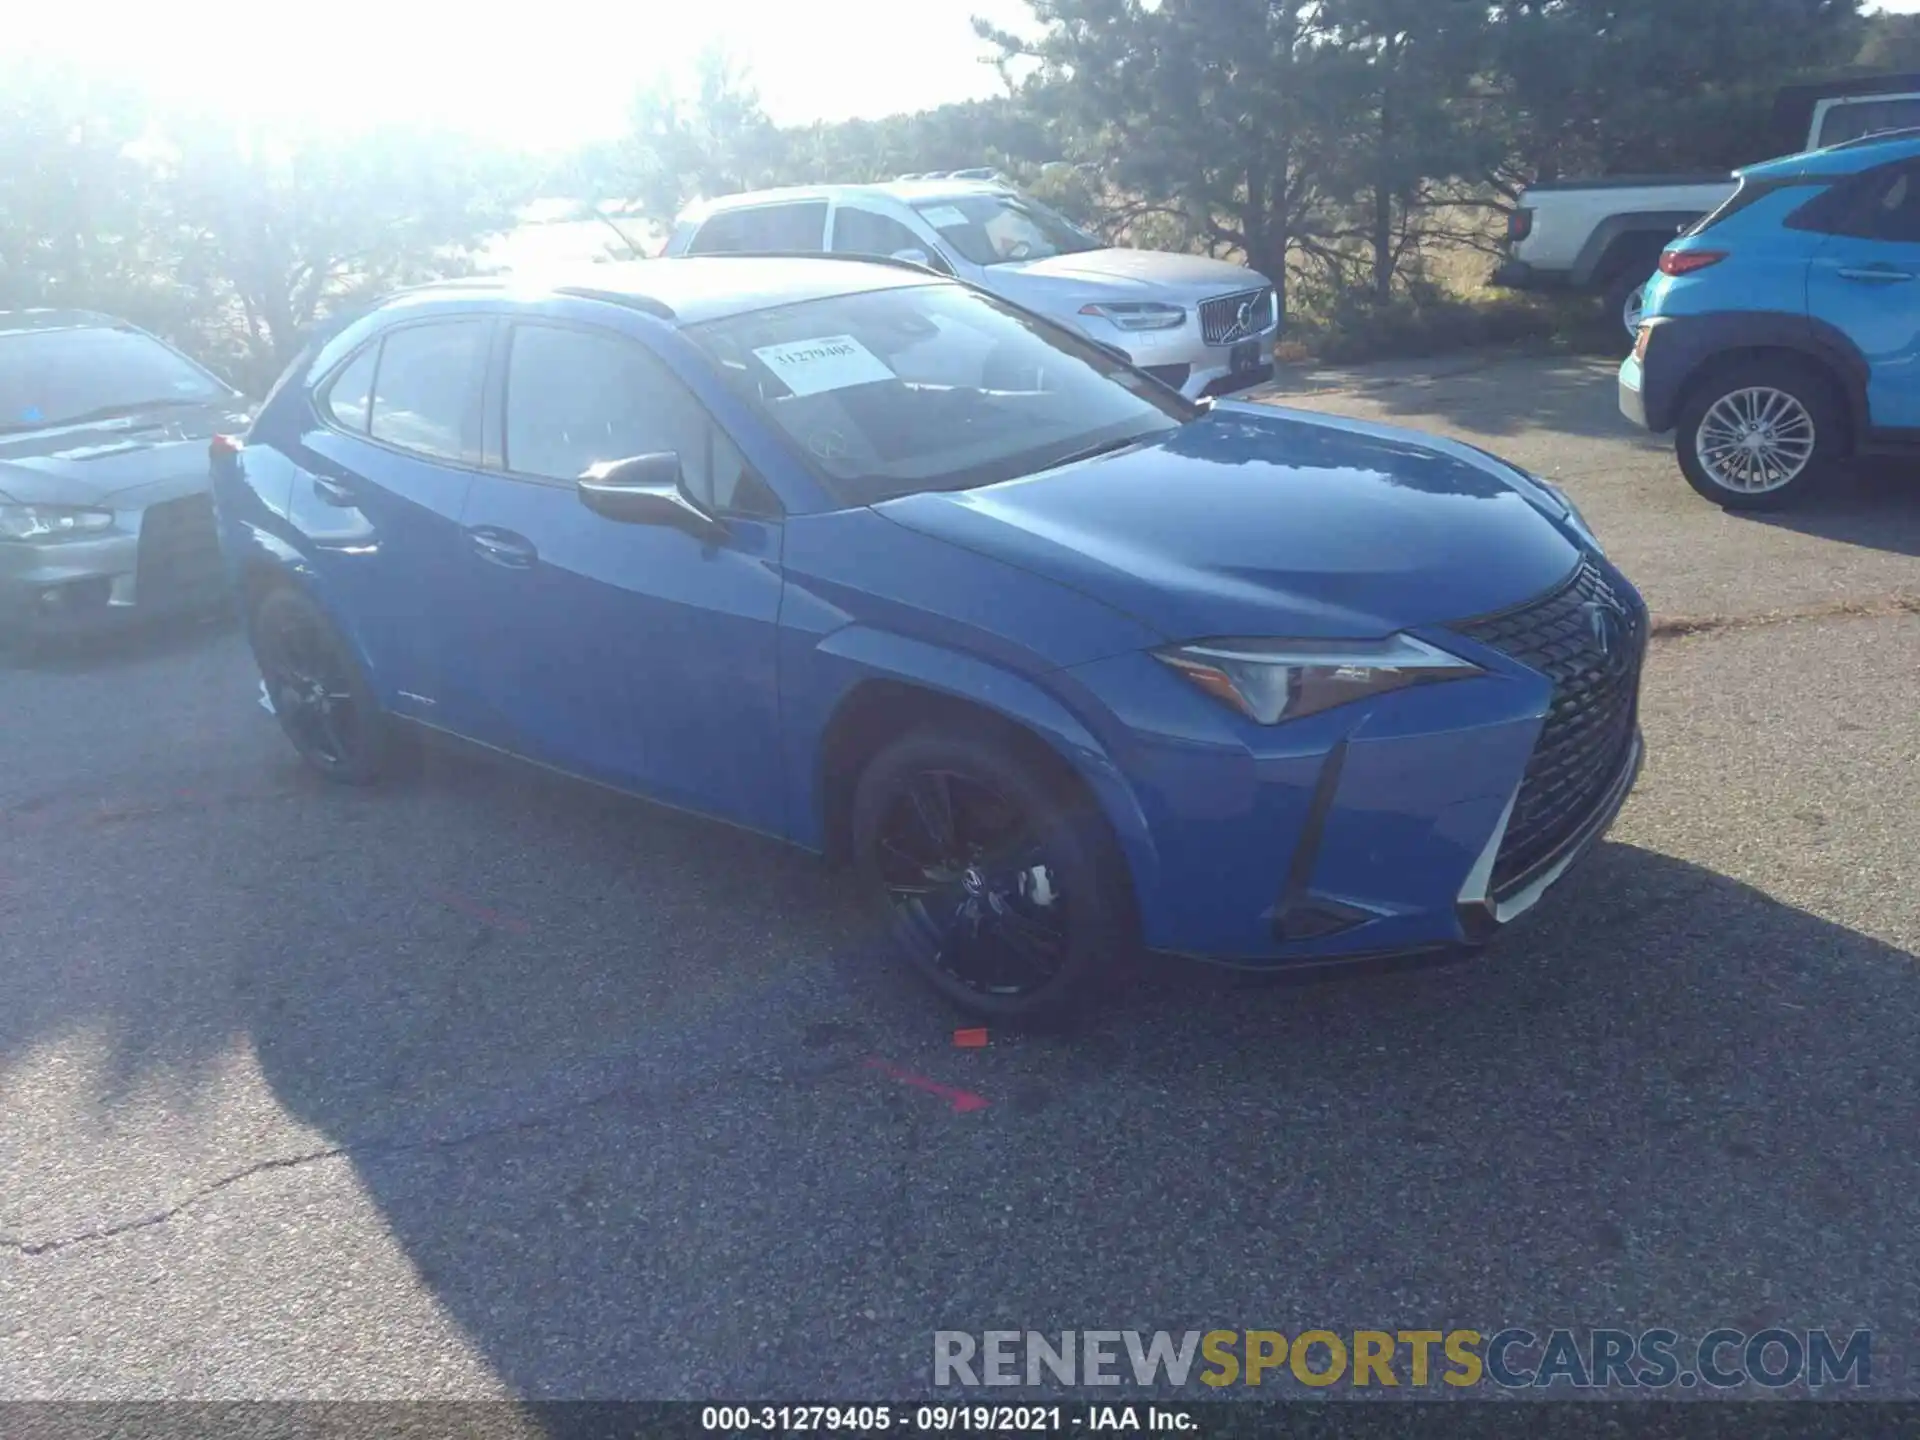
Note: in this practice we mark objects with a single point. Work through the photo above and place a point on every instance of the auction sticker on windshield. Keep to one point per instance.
(831, 362)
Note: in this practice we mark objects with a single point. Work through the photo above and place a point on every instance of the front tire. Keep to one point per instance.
(320, 696)
(1625, 299)
(1001, 885)
(1761, 434)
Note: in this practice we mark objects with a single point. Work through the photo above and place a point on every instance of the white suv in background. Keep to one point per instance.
(1205, 327)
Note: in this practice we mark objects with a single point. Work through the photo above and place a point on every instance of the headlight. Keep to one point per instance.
(51, 522)
(1139, 315)
(1273, 680)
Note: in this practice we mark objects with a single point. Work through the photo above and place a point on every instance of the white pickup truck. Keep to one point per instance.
(1604, 237)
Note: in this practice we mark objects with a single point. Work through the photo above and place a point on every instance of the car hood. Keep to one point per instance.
(111, 461)
(1252, 521)
(1145, 272)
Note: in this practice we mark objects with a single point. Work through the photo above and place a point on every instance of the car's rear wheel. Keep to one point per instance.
(1761, 434)
(1002, 887)
(317, 690)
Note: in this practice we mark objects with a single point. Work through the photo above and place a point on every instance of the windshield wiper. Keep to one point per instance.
(108, 412)
(1092, 452)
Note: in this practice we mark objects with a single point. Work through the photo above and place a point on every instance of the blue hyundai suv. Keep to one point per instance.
(882, 565)
(1782, 333)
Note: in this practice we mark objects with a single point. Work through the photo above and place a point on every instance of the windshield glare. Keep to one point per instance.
(932, 387)
(996, 229)
(49, 377)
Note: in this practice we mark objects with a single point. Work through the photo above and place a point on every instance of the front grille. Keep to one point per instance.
(1220, 318)
(1173, 376)
(179, 554)
(1589, 729)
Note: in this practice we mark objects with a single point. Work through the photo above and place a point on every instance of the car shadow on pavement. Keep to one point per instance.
(1873, 503)
(648, 1115)
(133, 643)
(1671, 1099)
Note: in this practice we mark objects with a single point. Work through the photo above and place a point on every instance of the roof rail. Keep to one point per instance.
(645, 304)
(893, 260)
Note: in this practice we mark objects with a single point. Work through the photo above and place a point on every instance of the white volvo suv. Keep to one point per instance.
(1202, 326)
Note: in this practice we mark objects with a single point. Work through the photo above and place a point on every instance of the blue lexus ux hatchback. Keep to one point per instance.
(1065, 665)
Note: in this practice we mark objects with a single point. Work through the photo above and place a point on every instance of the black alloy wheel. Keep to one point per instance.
(1002, 892)
(319, 696)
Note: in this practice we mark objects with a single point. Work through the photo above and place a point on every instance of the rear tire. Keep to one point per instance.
(1002, 887)
(320, 694)
(1761, 434)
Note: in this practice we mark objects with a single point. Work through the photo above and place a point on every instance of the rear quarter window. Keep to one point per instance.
(1750, 194)
(346, 398)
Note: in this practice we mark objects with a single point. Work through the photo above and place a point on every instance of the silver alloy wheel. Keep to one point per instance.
(1635, 310)
(1755, 440)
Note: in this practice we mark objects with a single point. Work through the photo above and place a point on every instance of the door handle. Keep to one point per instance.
(501, 548)
(332, 492)
(1874, 274)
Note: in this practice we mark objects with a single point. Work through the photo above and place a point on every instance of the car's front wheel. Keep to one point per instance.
(317, 690)
(1003, 888)
(1760, 435)
(1626, 297)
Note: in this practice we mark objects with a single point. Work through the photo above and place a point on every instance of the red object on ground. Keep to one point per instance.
(962, 1101)
(970, 1039)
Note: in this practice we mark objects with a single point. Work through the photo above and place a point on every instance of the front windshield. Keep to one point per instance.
(932, 387)
(54, 377)
(996, 229)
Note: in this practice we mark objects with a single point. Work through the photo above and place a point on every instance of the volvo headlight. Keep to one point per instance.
(1139, 314)
(1273, 680)
(51, 522)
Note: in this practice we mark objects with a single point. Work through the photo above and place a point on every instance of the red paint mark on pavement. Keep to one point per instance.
(474, 910)
(970, 1039)
(962, 1101)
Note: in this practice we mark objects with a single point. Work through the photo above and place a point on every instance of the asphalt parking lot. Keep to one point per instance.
(493, 1084)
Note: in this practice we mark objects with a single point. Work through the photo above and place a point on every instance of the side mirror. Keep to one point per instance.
(647, 490)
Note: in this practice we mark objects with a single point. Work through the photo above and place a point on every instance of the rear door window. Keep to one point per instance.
(426, 390)
(799, 227)
(1882, 204)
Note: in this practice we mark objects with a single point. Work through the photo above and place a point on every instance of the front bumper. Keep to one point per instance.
(1426, 820)
(1633, 397)
(1182, 360)
(1483, 910)
(158, 559)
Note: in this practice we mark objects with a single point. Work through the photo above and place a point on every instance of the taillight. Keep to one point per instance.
(1519, 225)
(223, 455)
(1685, 262)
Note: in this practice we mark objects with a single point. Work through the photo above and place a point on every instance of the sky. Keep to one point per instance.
(543, 75)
